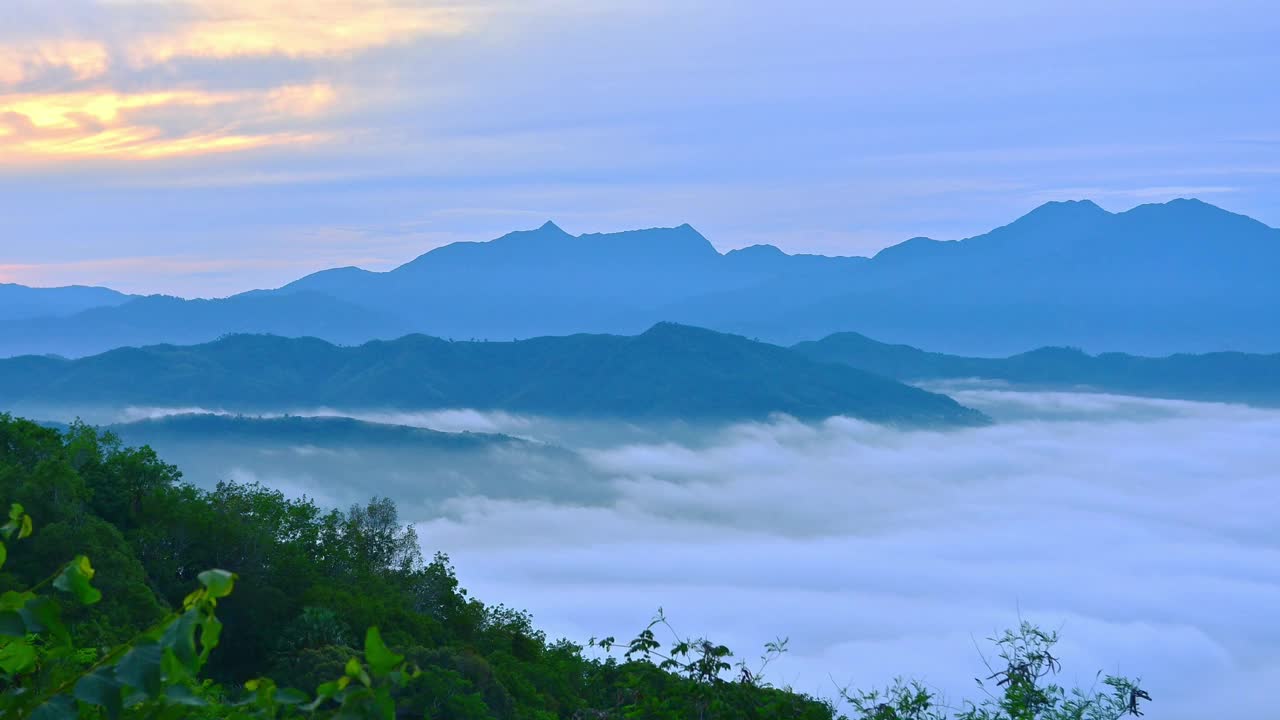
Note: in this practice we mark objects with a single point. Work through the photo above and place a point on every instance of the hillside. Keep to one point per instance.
(1182, 276)
(308, 581)
(670, 371)
(1224, 376)
(298, 430)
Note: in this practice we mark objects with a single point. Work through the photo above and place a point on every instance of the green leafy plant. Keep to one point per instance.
(1020, 687)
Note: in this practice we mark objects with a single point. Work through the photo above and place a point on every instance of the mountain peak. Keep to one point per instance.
(657, 244)
(770, 251)
(668, 331)
(544, 232)
(1187, 208)
(1060, 210)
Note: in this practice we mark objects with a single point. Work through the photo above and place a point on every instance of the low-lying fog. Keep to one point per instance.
(1144, 530)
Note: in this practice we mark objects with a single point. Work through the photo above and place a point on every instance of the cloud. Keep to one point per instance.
(239, 28)
(1143, 530)
(109, 81)
(107, 270)
(83, 60)
(89, 124)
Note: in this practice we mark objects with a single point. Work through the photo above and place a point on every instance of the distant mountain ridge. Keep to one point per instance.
(1182, 276)
(153, 318)
(670, 371)
(1224, 376)
(19, 302)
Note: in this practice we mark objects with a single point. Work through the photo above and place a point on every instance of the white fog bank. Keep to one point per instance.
(1144, 530)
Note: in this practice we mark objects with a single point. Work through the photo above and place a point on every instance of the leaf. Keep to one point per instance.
(210, 632)
(4, 554)
(182, 695)
(11, 600)
(17, 656)
(61, 707)
(75, 580)
(140, 668)
(323, 693)
(100, 689)
(12, 624)
(19, 522)
(180, 637)
(218, 582)
(381, 660)
(291, 696)
(354, 671)
(15, 520)
(41, 616)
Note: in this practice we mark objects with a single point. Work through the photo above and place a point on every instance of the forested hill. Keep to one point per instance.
(308, 582)
(669, 371)
(310, 431)
(1224, 376)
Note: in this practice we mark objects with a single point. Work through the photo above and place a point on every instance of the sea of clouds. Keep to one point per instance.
(1143, 530)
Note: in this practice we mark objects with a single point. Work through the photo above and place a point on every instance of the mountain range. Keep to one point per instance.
(1221, 376)
(1182, 276)
(668, 372)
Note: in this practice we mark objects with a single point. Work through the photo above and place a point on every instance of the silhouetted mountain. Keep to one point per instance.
(158, 318)
(1223, 376)
(540, 282)
(670, 371)
(19, 302)
(1182, 276)
(1179, 276)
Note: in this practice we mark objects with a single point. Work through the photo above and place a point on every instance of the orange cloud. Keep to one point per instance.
(222, 29)
(317, 28)
(83, 59)
(106, 122)
(111, 124)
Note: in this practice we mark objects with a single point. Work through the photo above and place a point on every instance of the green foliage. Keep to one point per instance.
(1020, 687)
(147, 630)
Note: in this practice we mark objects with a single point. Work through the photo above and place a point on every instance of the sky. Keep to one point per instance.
(206, 147)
